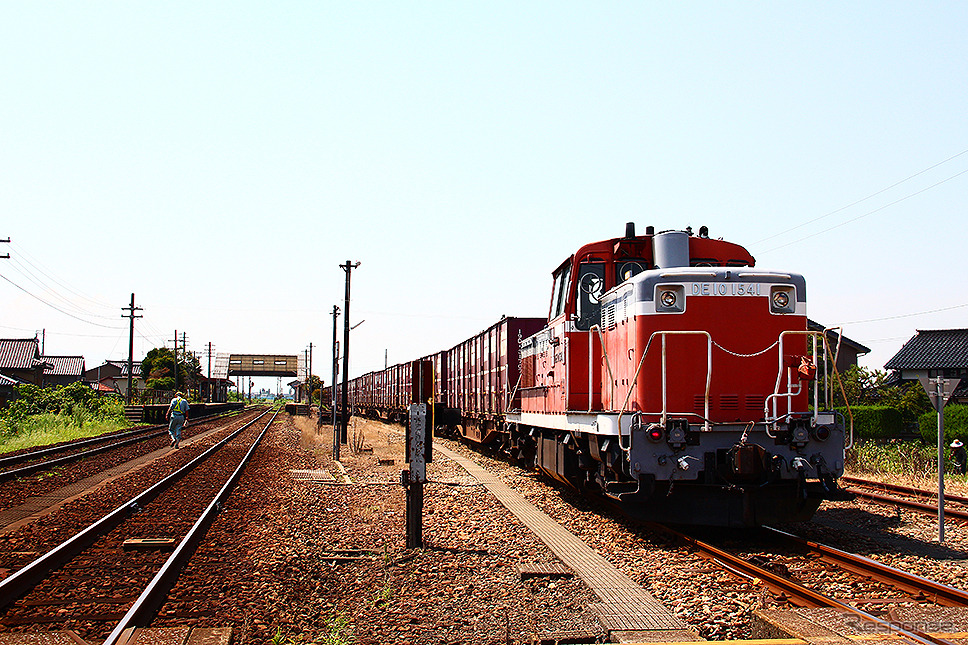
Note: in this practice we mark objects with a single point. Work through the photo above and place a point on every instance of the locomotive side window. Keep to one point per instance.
(627, 268)
(560, 291)
(591, 286)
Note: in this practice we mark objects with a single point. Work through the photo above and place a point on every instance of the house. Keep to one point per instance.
(932, 353)
(113, 376)
(214, 390)
(62, 370)
(20, 359)
(7, 393)
(849, 349)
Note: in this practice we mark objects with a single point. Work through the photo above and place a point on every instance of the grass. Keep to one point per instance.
(911, 462)
(47, 429)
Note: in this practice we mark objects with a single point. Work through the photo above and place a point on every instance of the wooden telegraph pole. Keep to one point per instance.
(130, 309)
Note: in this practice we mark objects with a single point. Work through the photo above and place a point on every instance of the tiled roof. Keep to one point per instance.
(64, 365)
(933, 349)
(857, 347)
(7, 381)
(123, 365)
(18, 353)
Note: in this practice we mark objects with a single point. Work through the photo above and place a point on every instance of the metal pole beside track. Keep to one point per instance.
(940, 406)
(344, 411)
(332, 388)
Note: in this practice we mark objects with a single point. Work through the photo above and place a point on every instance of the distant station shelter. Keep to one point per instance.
(263, 365)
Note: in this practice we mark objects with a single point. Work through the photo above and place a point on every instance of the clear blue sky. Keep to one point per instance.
(222, 159)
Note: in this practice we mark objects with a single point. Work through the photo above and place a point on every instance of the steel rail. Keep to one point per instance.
(797, 593)
(32, 574)
(143, 434)
(60, 461)
(143, 611)
(921, 507)
(914, 584)
(12, 460)
(904, 490)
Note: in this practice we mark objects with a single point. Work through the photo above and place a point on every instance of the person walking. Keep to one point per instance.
(959, 457)
(177, 417)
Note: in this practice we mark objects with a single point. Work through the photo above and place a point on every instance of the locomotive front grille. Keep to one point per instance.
(729, 401)
(755, 402)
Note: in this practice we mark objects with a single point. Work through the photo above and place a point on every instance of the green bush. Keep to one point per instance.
(68, 406)
(62, 399)
(874, 422)
(955, 424)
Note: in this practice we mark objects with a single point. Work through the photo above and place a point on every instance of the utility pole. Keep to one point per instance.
(332, 388)
(348, 269)
(7, 256)
(175, 354)
(184, 351)
(309, 381)
(209, 371)
(130, 309)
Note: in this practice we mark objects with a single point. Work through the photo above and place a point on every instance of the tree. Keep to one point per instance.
(158, 370)
(869, 387)
(314, 386)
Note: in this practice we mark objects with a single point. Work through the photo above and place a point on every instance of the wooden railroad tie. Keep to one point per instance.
(543, 570)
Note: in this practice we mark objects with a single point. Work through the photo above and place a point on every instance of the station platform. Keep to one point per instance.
(151, 636)
(626, 611)
(828, 626)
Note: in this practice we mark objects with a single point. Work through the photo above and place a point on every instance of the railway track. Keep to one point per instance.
(915, 499)
(29, 462)
(805, 582)
(114, 574)
(58, 472)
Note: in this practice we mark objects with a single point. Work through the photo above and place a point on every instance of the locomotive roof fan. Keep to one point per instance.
(670, 249)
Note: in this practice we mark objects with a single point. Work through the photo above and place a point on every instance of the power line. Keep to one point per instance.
(911, 315)
(880, 208)
(54, 294)
(872, 195)
(55, 307)
(37, 265)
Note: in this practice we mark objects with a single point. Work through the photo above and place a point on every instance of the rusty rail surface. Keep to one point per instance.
(143, 611)
(911, 583)
(912, 504)
(796, 593)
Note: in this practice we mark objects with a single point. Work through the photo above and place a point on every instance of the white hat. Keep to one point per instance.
(956, 443)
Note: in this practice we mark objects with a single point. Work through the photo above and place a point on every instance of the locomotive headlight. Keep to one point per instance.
(670, 298)
(782, 300)
(821, 433)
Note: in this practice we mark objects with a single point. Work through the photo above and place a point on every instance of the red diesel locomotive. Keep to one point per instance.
(670, 375)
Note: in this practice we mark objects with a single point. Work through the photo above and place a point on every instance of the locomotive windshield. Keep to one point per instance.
(558, 295)
(591, 286)
(627, 268)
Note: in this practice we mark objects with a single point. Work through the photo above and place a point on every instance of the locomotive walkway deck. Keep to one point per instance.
(626, 610)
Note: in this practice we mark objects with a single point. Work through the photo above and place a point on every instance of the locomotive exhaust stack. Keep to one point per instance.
(670, 249)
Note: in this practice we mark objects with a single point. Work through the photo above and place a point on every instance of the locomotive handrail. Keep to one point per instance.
(608, 365)
(635, 378)
(790, 393)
